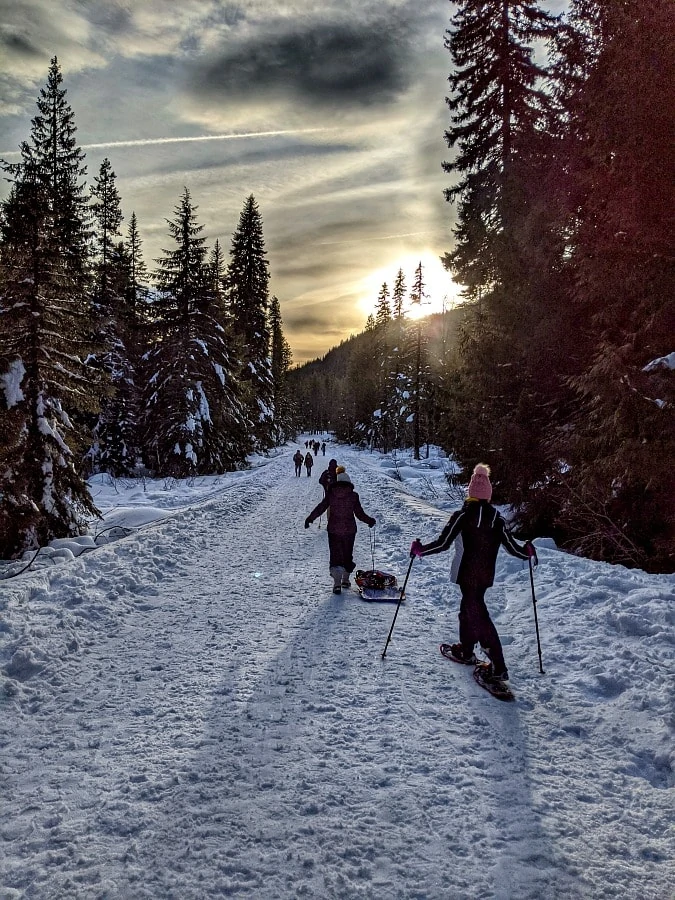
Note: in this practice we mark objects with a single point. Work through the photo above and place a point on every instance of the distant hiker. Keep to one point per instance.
(298, 460)
(309, 462)
(478, 530)
(328, 477)
(323, 449)
(345, 507)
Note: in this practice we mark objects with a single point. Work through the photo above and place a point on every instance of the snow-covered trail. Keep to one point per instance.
(191, 713)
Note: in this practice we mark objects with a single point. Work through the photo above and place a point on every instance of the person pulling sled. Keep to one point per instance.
(344, 506)
(478, 531)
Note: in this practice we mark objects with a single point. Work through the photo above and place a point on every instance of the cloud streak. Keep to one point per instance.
(148, 142)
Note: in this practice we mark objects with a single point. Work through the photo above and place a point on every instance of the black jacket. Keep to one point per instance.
(479, 531)
(328, 478)
(344, 505)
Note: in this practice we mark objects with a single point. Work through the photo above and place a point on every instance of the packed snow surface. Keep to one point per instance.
(188, 712)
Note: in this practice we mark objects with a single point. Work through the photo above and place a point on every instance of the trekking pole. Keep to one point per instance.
(536, 620)
(371, 535)
(402, 595)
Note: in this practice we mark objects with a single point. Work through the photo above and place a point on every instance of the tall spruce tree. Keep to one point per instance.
(496, 104)
(137, 284)
(398, 296)
(194, 419)
(217, 271)
(419, 372)
(247, 289)
(281, 358)
(379, 433)
(45, 332)
(116, 445)
(498, 108)
(107, 212)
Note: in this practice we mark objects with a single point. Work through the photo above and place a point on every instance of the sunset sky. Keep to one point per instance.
(330, 112)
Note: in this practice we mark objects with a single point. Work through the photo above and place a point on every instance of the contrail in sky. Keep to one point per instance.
(146, 142)
(201, 137)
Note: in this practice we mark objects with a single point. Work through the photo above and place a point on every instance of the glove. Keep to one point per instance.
(416, 548)
(371, 524)
(307, 523)
(531, 551)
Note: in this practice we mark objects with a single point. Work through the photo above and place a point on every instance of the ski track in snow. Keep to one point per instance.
(190, 713)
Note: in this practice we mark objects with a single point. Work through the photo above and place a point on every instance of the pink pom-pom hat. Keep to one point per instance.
(480, 487)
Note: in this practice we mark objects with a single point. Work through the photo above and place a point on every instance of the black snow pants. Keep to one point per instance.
(475, 625)
(341, 547)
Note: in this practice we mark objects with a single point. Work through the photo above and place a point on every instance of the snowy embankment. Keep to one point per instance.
(188, 712)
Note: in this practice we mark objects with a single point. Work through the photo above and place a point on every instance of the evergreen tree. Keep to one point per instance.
(107, 212)
(383, 311)
(496, 103)
(137, 292)
(247, 288)
(398, 296)
(116, 446)
(194, 420)
(499, 110)
(419, 380)
(379, 432)
(281, 358)
(217, 273)
(45, 330)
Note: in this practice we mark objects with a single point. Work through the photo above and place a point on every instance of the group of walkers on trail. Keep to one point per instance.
(316, 446)
(300, 460)
(477, 530)
(307, 460)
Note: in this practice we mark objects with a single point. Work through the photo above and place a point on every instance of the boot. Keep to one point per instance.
(337, 573)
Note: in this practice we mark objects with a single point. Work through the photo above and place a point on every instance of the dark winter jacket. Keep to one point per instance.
(298, 458)
(479, 530)
(328, 476)
(309, 460)
(344, 504)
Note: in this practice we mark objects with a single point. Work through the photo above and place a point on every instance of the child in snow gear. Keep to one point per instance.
(309, 462)
(345, 508)
(478, 530)
(298, 459)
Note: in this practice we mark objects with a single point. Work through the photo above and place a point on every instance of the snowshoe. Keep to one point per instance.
(456, 653)
(483, 675)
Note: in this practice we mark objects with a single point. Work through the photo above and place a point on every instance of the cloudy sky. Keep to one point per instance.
(330, 112)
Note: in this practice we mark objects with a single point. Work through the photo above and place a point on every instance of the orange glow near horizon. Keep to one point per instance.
(441, 291)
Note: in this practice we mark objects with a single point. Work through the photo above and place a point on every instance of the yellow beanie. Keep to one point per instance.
(340, 470)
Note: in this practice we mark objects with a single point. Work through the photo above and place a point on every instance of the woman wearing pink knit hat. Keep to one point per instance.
(478, 530)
